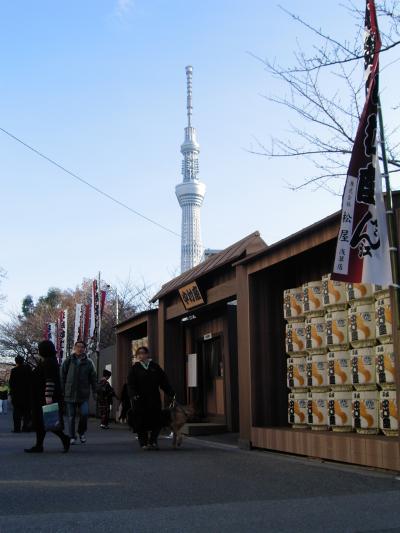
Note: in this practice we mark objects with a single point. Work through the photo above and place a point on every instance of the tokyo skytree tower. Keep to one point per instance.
(191, 191)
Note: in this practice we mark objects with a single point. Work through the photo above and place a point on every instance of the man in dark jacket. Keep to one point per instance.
(145, 380)
(78, 376)
(19, 389)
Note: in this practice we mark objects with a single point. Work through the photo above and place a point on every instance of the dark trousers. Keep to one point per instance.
(41, 433)
(72, 409)
(104, 412)
(21, 413)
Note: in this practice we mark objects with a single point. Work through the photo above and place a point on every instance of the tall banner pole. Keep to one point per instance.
(391, 222)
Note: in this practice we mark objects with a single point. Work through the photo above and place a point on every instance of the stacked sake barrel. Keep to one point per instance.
(341, 362)
(362, 332)
(296, 362)
(339, 366)
(385, 363)
(317, 359)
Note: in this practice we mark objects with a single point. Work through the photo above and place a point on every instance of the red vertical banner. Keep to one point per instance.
(86, 327)
(362, 249)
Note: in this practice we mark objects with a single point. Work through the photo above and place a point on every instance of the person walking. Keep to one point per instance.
(3, 397)
(20, 380)
(145, 380)
(105, 395)
(78, 376)
(46, 389)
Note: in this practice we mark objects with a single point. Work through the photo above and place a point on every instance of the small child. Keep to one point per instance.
(105, 395)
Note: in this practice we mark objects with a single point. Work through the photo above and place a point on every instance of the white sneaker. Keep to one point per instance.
(82, 439)
(72, 441)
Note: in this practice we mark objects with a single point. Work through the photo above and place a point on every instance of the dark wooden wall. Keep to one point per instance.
(175, 358)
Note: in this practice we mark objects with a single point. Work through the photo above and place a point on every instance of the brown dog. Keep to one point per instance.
(174, 418)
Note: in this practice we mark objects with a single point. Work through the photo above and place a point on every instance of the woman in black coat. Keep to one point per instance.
(46, 389)
(145, 380)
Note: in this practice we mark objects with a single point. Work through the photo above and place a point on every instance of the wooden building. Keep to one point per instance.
(263, 402)
(219, 333)
(197, 334)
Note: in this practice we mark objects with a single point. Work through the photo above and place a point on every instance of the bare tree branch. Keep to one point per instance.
(328, 101)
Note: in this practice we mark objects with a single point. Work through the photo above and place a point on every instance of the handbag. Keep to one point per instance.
(51, 417)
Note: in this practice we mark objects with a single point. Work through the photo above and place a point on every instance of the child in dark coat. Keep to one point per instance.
(105, 395)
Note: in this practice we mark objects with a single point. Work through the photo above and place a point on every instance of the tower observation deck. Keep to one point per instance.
(191, 191)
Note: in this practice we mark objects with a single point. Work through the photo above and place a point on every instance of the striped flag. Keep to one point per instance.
(362, 249)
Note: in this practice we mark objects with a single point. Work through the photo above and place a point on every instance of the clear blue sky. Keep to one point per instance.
(99, 86)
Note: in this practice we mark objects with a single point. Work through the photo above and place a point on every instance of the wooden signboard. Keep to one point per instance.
(191, 295)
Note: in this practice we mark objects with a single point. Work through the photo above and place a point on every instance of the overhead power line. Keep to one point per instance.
(79, 178)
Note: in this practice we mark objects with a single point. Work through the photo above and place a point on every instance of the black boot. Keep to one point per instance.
(34, 449)
(66, 443)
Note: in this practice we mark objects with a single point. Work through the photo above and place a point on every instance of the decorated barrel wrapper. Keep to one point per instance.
(340, 371)
(385, 366)
(363, 368)
(365, 410)
(388, 421)
(293, 304)
(362, 325)
(317, 372)
(337, 330)
(340, 416)
(313, 298)
(295, 339)
(334, 293)
(381, 291)
(360, 292)
(297, 409)
(297, 373)
(315, 327)
(317, 410)
(383, 320)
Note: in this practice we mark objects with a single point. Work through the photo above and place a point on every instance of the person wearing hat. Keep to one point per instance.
(105, 395)
(46, 389)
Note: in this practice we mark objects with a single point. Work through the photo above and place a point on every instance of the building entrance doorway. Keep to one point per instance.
(211, 380)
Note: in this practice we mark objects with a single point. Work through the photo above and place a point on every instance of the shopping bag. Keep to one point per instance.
(51, 417)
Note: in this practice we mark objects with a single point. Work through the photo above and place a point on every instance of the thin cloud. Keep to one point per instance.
(124, 6)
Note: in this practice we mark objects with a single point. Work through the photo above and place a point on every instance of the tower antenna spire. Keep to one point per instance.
(189, 106)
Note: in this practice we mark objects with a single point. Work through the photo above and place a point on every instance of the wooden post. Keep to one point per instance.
(244, 357)
(394, 257)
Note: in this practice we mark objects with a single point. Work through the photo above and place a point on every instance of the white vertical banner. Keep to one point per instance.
(62, 334)
(79, 321)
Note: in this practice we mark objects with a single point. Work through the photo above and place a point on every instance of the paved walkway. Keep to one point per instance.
(109, 484)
